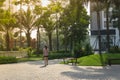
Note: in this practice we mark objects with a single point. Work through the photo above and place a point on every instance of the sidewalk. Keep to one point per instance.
(55, 71)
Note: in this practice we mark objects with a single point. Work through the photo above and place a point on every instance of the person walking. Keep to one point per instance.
(45, 55)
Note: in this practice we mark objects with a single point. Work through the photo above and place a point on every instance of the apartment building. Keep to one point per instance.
(114, 32)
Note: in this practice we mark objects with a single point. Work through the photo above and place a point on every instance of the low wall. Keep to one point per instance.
(17, 54)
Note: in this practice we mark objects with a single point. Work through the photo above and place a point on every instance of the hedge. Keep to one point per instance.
(5, 60)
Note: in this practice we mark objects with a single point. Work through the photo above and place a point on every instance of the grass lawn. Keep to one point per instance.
(29, 59)
(32, 58)
(95, 59)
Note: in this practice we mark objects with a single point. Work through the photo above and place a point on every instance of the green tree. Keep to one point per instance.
(74, 21)
(48, 24)
(27, 23)
(39, 11)
(1, 20)
(7, 25)
(30, 4)
(20, 27)
(57, 8)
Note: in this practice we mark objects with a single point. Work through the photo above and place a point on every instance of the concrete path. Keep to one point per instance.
(34, 70)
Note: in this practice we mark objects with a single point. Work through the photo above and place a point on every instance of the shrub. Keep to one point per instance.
(2, 48)
(77, 51)
(115, 49)
(16, 48)
(59, 55)
(29, 51)
(88, 49)
(37, 52)
(5, 60)
(80, 50)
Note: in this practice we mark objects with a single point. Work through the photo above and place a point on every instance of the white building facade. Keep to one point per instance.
(114, 32)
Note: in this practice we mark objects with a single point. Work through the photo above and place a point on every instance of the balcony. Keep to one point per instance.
(103, 32)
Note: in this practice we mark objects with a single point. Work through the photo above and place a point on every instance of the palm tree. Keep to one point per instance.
(38, 10)
(20, 27)
(1, 3)
(7, 25)
(27, 23)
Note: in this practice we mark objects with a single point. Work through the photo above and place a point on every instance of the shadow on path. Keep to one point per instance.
(41, 62)
(42, 66)
(107, 73)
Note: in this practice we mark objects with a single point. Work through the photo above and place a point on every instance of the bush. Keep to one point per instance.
(88, 49)
(37, 52)
(16, 48)
(59, 55)
(29, 51)
(5, 60)
(115, 49)
(61, 51)
(2, 48)
(80, 50)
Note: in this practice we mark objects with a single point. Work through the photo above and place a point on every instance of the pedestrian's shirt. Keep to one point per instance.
(45, 52)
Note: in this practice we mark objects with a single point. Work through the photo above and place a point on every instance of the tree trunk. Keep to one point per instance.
(7, 41)
(28, 39)
(99, 34)
(38, 39)
(78, 11)
(57, 33)
(71, 43)
(20, 25)
(50, 41)
(65, 42)
(107, 26)
(21, 38)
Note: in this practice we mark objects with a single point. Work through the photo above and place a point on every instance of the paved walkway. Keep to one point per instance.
(54, 71)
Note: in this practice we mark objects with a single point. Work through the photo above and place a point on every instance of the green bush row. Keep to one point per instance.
(5, 60)
(61, 51)
(59, 55)
(115, 49)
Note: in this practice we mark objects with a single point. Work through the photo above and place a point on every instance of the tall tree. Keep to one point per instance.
(38, 10)
(48, 24)
(20, 27)
(74, 21)
(23, 3)
(7, 25)
(28, 20)
(56, 7)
